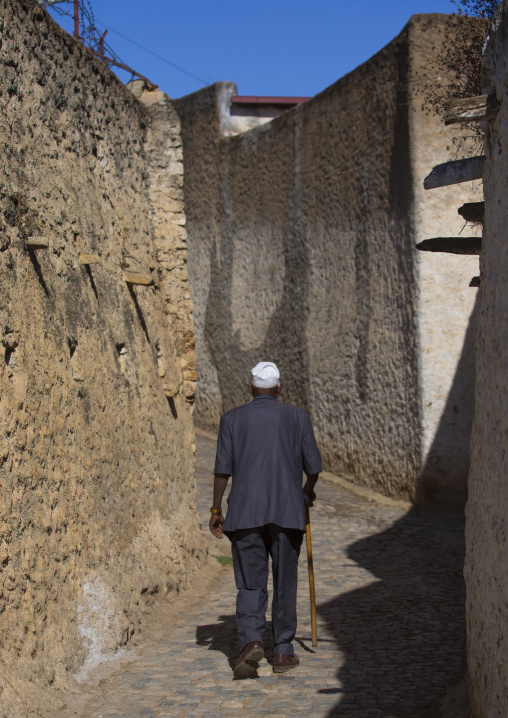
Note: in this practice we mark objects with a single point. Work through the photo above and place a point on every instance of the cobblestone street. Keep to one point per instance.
(391, 634)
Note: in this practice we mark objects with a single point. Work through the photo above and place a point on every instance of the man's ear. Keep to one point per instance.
(249, 389)
(279, 388)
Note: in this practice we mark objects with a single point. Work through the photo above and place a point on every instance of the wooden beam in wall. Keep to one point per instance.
(472, 109)
(452, 245)
(455, 172)
(89, 258)
(472, 211)
(132, 278)
(36, 243)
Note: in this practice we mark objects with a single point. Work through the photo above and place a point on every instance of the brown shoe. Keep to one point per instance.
(249, 659)
(282, 662)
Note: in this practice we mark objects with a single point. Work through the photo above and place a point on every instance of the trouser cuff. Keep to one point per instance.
(285, 648)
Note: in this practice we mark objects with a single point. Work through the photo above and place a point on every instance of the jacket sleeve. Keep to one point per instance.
(224, 455)
(310, 452)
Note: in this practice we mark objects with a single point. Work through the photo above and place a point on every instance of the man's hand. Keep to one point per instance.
(310, 494)
(216, 524)
(220, 481)
(308, 488)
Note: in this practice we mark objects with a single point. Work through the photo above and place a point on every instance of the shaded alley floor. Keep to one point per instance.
(391, 631)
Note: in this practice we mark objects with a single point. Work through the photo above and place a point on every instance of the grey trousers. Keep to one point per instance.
(251, 549)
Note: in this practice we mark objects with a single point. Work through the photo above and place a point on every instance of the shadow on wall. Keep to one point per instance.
(403, 636)
(287, 347)
(443, 481)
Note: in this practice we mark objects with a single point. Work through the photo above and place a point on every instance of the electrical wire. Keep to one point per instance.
(151, 52)
(90, 34)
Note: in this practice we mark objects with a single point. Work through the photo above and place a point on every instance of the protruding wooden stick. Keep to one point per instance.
(472, 109)
(36, 243)
(312, 587)
(89, 258)
(132, 278)
(452, 245)
(455, 172)
(472, 211)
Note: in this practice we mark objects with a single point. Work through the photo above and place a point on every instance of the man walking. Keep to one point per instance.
(265, 446)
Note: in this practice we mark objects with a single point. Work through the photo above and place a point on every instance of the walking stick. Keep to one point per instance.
(312, 588)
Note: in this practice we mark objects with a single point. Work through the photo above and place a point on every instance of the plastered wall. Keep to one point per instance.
(302, 239)
(97, 376)
(446, 303)
(487, 509)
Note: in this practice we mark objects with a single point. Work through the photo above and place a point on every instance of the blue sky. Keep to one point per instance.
(270, 47)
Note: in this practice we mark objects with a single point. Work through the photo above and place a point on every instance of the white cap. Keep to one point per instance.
(265, 375)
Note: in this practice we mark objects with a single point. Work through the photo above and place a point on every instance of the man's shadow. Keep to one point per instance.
(223, 637)
(403, 635)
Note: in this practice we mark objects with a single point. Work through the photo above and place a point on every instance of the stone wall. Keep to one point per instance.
(302, 238)
(97, 375)
(487, 509)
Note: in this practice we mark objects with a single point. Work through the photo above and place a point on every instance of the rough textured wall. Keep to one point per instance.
(302, 236)
(487, 509)
(202, 139)
(302, 253)
(164, 162)
(96, 464)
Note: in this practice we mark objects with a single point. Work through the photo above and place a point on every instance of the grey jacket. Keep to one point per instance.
(265, 446)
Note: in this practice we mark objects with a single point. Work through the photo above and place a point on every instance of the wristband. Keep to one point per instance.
(216, 512)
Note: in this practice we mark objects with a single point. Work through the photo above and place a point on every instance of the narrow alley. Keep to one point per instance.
(391, 633)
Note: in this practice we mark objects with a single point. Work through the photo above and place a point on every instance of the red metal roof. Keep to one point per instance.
(254, 100)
